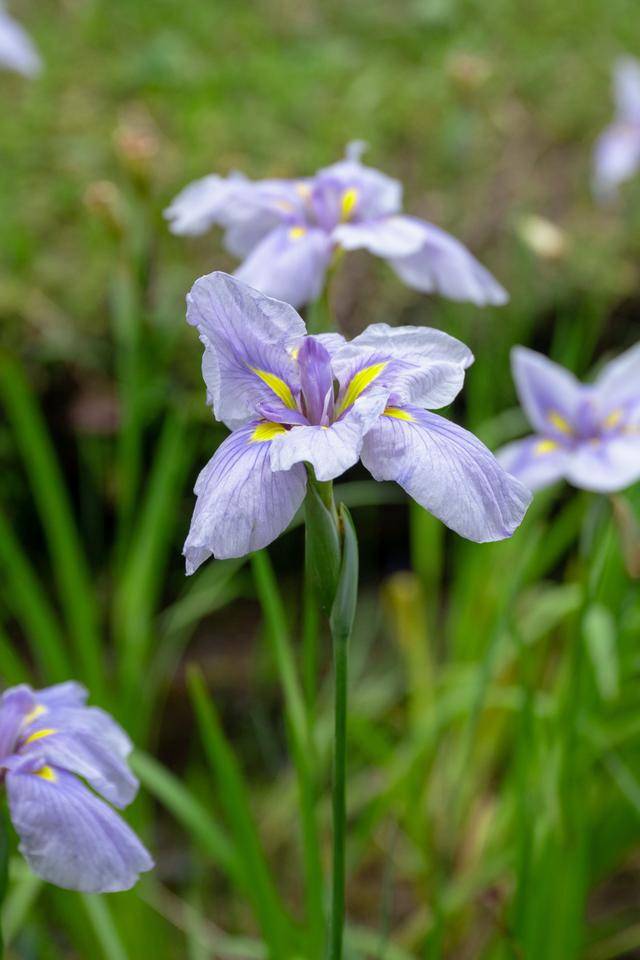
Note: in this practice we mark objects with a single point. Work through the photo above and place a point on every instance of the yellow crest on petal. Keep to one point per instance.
(359, 382)
(46, 773)
(39, 734)
(546, 446)
(398, 414)
(281, 389)
(348, 203)
(558, 421)
(266, 431)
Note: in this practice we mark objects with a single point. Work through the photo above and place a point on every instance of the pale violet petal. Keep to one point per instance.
(606, 465)
(202, 204)
(289, 263)
(535, 461)
(17, 51)
(242, 504)
(551, 396)
(616, 158)
(394, 236)
(243, 332)
(618, 384)
(70, 837)
(448, 471)
(330, 450)
(626, 79)
(443, 265)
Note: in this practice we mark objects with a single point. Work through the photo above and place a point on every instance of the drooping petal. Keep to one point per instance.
(203, 203)
(448, 471)
(248, 342)
(443, 265)
(54, 710)
(330, 450)
(17, 51)
(626, 81)
(15, 704)
(605, 465)
(242, 504)
(616, 158)
(68, 836)
(618, 385)
(417, 364)
(535, 461)
(289, 264)
(393, 236)
(550, 396)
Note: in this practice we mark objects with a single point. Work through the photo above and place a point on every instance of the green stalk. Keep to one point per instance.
(4, 866)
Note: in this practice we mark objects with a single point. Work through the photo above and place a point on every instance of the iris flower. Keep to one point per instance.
(17, 51)
(587, 433)
(292, 399)
(617, 152)
(287, 231)
(68, 835)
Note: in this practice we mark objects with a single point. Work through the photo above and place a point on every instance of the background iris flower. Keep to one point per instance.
(617, 153)
(292, 399)
(17, 51)
(587, 433)
(49, 739)
(287, 232)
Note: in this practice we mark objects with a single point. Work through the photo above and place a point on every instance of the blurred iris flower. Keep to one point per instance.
(587, 433)
(288, 231)
(48, 739)
(17, 51)
(292, 399)
(617, 152)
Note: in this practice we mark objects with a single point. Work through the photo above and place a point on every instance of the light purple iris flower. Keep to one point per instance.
(292, 399)
(287, 231)
(617, 152)
(48, 739)
(17, 51)
(587, 433)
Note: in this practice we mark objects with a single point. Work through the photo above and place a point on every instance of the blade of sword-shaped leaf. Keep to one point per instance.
(25, 596)
(300, 738)
(142, 576)
(104, 927)
(233, 791)
(25, 887)
(190, 813)
(13, 670)
(69, 565)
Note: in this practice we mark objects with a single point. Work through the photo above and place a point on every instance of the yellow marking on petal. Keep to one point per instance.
(285, 205)
(359, 382)
(281, 389)
(266, 431)
(294, 352)
(39, 734)
(398, 414)
(347, 204)
(613, 419)
(303, 190)
(296, 233)
(558, 421)
(46, 773)
(35, 713)
(545, 446)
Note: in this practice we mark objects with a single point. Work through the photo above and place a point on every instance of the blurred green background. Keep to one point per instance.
(494, 787)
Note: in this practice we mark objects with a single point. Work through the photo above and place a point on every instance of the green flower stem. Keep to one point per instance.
(340, 675)
(319, 316)
(4, 866)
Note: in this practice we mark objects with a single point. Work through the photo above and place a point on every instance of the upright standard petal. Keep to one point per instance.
(443, 265)
(248, 340)
(242, 504)
(550, 396)
(17, 51)
(329, 449)
(535, 461)
(67, 835)
(448, 471)
(289, 263)
(417, 364)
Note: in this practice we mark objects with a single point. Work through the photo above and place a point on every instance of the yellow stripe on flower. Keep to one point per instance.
(46, 773)
(613, 419)
(558, 421)
(296, 233)
(348, 203)
(266, 431)
(35, 713)
(279, 387)
(398, 414)
(39, 734)
(359, 382)
(545, 446)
